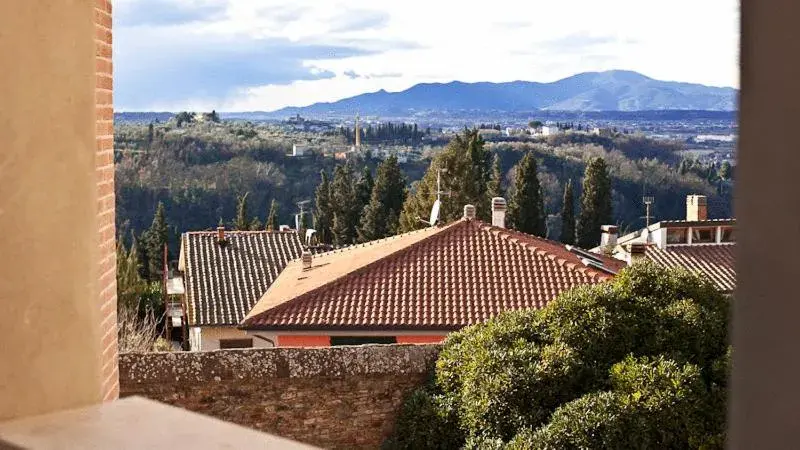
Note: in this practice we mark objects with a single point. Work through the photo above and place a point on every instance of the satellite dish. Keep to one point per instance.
(435, 212)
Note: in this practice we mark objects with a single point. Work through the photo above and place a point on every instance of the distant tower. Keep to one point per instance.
(358, 135)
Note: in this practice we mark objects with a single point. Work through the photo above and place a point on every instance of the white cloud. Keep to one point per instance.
(682, 40)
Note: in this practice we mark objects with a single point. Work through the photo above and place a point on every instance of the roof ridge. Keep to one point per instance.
(214, 232)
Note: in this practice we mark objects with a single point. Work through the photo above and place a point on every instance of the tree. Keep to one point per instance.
(380, 217)
(495, 186)
(535, 124)
(323, 217)
(272, 217)
(242, 223)
(568, 215)
(364, 187)
(467, 163)
(595, 203)
(155, 240)
(637, 362)
(343, 205)
(183, 117)
(725, 171)
(526, 208)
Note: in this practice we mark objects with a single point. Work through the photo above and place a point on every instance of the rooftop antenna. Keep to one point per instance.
(648, 202)
(298, 218)
(437, 205)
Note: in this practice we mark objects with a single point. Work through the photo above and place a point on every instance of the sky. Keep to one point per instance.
(262, 55)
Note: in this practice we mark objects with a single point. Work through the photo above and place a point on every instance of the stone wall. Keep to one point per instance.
(336, 397)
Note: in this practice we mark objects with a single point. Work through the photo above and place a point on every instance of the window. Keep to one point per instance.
(676, 236)
(728, 235)
(236, 343)
(362, 340)
(704, 235)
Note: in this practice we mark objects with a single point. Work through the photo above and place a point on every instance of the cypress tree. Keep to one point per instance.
(364, 188)
(568, 215)
(344, 207)
(155, 240)
(595, 203)
(526, 208)
(272, 217)
(494, 188)
(242, 223)
(323, 217)
(380, 217)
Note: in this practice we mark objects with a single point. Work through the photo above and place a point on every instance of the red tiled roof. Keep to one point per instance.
(438, 278)
(713, 261)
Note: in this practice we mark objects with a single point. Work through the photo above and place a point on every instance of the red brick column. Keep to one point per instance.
(105, 197)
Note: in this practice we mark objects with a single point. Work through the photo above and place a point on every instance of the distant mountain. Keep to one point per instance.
(615, 90)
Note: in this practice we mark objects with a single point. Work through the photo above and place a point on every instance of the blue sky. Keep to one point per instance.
(245, 55)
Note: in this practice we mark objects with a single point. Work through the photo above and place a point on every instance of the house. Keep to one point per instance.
(549, 130)
(702, 245)
(299, 149)
(419, 286)
(225, 273)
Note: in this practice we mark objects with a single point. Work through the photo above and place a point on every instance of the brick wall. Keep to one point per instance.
(335, 397)
(104, 157)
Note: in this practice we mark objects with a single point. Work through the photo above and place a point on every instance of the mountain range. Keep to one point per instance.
(615, 90)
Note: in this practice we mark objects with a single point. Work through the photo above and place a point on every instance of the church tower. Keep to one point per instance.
(358, 135)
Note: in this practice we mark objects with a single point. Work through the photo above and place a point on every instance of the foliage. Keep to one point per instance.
(638, 362)
(323, 216)
(495, 186)
(345, 209)
(364, 186)
(568, 215)
(272, 217)
(155, 238)
(242, 223)
(467, 163)
(526, 208)
(380, 218)
(428, 421)
(595, 204)
(386, 133)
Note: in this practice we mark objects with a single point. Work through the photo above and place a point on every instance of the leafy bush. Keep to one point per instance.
(427, 421)
(639, 362)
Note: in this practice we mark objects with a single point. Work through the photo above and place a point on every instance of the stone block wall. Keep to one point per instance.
(336, 397)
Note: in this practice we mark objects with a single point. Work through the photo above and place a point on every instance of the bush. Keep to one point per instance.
(639, 362)
(426, 421)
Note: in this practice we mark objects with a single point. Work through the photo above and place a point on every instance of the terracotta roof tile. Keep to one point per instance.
(224, 282)
(714, 261)
(436, 278)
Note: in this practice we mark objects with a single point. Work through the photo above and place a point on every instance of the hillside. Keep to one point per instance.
(591, 91)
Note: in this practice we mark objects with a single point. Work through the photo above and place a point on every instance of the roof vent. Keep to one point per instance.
(307, 259)
(284, 228)
(220, 235)
(469, 212)
(636, 251)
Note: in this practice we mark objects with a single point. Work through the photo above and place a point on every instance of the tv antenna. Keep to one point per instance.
(298, 218)
(648, 202)
(437, 205)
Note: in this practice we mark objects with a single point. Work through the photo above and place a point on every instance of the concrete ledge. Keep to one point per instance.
(266, 363)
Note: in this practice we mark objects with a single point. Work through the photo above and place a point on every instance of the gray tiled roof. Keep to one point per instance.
(717, 262)
(223, 282)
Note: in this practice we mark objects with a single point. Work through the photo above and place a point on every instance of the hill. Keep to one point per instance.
(615, 90)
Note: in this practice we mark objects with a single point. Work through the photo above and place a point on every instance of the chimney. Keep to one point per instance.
(636, 252)
(609, 236)
(307, 259)
(220, 235)
(469, 212)
(696, 208)
(499, 212)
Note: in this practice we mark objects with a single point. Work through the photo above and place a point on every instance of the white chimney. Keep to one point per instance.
(284, 228)
(307, 259)
(469, 212)
(609, 236)
(499, 212)
(696, 208)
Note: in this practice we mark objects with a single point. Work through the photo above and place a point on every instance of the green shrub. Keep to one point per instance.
(639, 362)
(426, 421)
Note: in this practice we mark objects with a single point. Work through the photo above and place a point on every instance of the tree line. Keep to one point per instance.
(389, 133)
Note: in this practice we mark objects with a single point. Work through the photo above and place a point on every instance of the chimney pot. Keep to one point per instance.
(221, 234)
(469, 212)
(499, 212)
(307, 259)
(609, 235)
(636, 252)
(696, 208)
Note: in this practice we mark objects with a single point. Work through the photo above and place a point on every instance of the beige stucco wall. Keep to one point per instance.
(210, 337)
(49, 340)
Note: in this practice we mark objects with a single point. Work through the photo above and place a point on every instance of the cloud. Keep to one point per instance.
(135, 13)
(358, 20)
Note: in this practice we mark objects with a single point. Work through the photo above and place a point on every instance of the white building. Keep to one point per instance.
(299, 150)
(549, 130)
